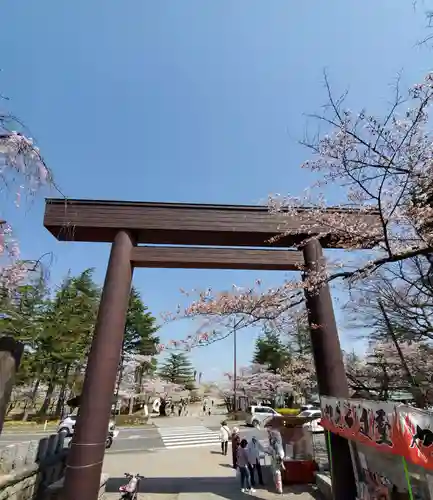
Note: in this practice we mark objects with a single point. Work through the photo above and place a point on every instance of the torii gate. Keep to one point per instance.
(192, 227)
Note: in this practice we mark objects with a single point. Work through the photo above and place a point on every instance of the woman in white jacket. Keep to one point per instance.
(224, 437)
(255, 450)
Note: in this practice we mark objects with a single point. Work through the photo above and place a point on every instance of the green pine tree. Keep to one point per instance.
(178, 369)
(139, 338)
(271, 351)
(300, 340)
(140, 328)
(57, 331)
(64, 343)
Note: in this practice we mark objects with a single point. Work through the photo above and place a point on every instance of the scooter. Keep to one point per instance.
(110, 438)
(130, 490)
(108, 442)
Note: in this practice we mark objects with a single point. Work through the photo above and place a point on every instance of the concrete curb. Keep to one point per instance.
(324, 485)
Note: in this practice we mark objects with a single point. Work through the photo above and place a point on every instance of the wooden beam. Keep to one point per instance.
(182, 223)
(217, 258)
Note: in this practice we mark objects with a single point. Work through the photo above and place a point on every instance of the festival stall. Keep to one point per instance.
(392, 446)
(299, 465)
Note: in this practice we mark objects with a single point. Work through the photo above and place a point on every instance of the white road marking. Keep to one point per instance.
(188, 437)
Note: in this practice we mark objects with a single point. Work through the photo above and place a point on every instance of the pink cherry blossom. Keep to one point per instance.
(384, 166)
(256, 382)
(382, 370)
(22, 165)
(150, 387)
(301, 372)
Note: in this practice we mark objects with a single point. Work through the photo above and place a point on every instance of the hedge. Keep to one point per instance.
(132, 420)
(288, 411)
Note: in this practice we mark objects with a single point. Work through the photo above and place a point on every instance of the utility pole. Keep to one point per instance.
(234, 366)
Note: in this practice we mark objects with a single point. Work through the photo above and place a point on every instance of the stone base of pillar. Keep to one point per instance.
(10, 357)
(324, 485)
(55, 490)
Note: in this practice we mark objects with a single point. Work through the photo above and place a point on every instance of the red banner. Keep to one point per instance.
(386, 426)
(416, 429)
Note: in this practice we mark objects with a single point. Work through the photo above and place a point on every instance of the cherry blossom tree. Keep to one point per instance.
(384, 166)
(23, 171)
(255, 382)
(387, 368)
(401, 295)
(133, 386)
(301, 373)
(238, 308)
(128, 381)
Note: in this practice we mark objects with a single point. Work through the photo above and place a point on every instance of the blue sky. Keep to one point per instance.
(192, 100)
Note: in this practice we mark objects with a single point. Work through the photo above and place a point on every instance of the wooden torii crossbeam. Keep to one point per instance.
(189, 236)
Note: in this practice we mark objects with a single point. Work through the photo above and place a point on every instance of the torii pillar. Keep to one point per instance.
(88, 442)
(331, 374)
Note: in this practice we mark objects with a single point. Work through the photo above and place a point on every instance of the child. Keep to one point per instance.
(224, 436)
(243, 463)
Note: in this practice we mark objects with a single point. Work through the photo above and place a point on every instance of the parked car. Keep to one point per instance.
(67, 426)
(310, 407)
(314, 424)
(256, 415)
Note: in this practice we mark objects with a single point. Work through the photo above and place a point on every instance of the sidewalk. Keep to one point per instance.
(188, 474)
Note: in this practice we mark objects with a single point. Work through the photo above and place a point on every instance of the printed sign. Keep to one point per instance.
(417, 433)
(387, 426)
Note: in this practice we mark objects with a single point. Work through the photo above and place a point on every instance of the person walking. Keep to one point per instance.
(224, 436)
(236, 441)
(243, 462)
(255, 449)
(277, 456)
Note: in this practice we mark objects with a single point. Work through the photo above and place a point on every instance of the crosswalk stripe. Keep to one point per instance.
(188, 437)
(181, 430)
(198, 433)
(191, 439)
(195, 445)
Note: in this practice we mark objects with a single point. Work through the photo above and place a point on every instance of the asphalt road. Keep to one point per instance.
(135, 439)
(129, 439)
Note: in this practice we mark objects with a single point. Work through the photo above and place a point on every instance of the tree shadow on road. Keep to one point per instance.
(223, 487)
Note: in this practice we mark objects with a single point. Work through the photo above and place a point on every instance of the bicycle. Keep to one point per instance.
(130, 490)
